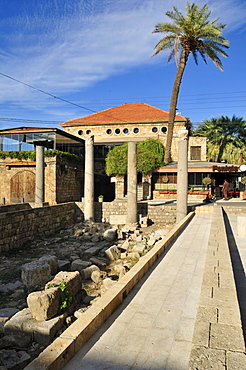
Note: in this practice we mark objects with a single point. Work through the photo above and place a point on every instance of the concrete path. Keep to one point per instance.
(153, 328)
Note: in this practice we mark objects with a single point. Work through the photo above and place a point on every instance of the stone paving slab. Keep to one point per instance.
(218, 341)
(153, 327)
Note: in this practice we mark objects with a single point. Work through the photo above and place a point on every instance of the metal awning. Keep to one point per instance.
(50, 138)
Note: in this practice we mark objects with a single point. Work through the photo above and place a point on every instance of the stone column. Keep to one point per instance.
(182, 176)
(89, 178)
(39, 193)
(132, 217)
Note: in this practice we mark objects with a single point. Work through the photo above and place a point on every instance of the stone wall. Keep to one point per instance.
(63, 180)
(161, 214)
(19, 227)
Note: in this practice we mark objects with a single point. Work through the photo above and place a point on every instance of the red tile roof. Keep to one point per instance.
(133, 112)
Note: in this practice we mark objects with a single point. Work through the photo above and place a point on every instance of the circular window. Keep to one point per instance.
(164, 130)
(154, 129)
(125, 130)
(117, 131)
(88, 132)
(135, 130)
(80, 132)
(109, 131)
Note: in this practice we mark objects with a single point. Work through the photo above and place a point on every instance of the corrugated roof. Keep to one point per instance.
(128, 113)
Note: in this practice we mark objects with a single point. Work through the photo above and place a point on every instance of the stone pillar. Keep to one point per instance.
(39, 193)
(132, 217)
(119, 187)
(182, 176)
(89, 178)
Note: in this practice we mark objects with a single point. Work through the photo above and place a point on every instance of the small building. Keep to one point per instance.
(164, 180)
(135, 122)
(64, 165)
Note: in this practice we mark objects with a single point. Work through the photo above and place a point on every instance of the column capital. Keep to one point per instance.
(183, 134)
(89, 138)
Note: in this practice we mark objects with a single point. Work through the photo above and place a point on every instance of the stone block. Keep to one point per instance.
(107, 284)
(100, 262)
(71, 279)
(79, 265)
(86, 273)
(43, 332)
(112, 253)
(206, 358)
(125, 246)
(133, 255)
(117, 219)
(236, 360)
(35, 274)
(110, 234)
(207, 314)
(44, 304)
(227, 337)
(201, 333)
(139, 248)
(52, 261)
(151, 241)
(92, 251)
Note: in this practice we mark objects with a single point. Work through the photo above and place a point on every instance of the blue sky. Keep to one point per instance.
(97, 54)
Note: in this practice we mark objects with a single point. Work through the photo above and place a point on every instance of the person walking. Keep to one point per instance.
(225, 189)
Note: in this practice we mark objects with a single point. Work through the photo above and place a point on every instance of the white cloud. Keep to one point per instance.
(63, 47)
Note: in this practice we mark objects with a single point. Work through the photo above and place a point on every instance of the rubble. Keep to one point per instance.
(87, 259)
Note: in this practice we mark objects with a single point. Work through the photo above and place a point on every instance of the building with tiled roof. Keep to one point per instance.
(133, 122)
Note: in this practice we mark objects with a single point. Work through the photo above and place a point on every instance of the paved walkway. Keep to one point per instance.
(153, 328)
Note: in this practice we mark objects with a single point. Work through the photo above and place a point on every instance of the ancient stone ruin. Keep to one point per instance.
(72, 270)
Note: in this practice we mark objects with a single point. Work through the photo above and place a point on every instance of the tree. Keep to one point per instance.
(192, 33)
(226, 137)
(150, 155)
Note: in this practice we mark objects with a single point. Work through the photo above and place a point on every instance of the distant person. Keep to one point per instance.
(213, 184)
(225, 189)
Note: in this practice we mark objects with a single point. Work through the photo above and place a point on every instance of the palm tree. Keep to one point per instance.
(190, 33)
(227, 135)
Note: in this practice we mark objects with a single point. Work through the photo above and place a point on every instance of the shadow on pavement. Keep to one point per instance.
(239, 273)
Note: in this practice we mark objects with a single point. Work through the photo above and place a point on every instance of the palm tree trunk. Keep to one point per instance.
(173, 104)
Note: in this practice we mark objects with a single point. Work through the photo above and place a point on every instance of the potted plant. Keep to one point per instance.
(206, 181)
(100, 198)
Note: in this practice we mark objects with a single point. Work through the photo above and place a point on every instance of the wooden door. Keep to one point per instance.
(22, 185)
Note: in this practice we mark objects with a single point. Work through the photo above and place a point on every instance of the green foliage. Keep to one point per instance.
(206, 181)
(67, 299)
(226, 138)
(19, 155)
(150, 154)
(116, 160)
(243, 180)
(63, 155)
(193, 33)
(25, 155)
